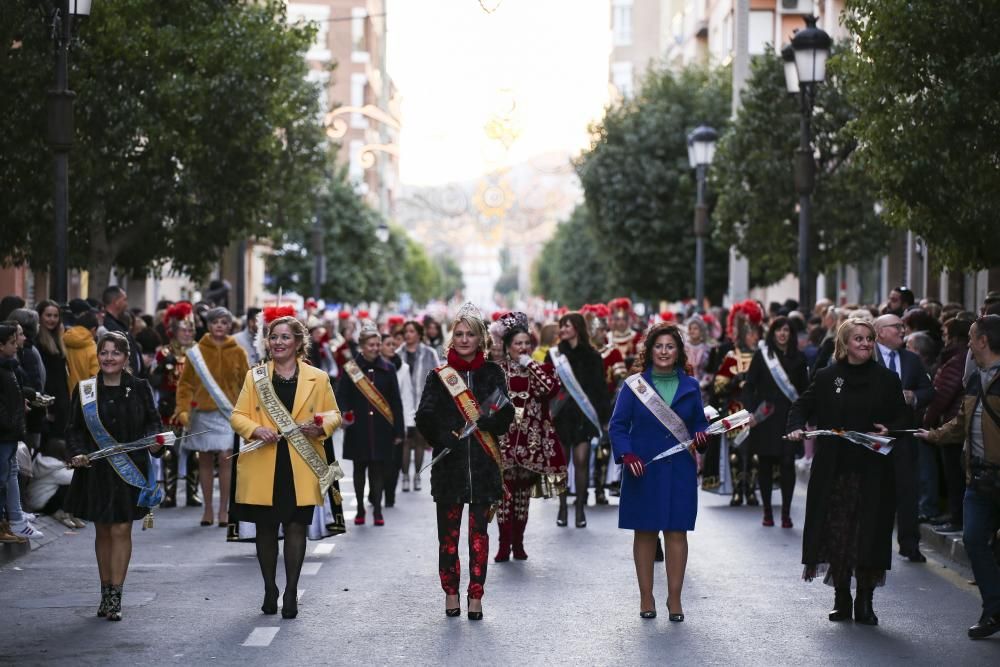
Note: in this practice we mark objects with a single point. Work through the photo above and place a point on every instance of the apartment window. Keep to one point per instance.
(621, 22)
(359, 16)
(358, 83)
(761, 32)
(320, 15)
(355, 172)
(621, 77)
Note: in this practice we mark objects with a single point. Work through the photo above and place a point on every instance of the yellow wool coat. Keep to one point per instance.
(81, 356)
(227, 363)
(255, 470)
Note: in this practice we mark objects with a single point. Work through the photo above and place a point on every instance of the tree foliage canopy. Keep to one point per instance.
(194, 127)
(641, 190)
(571, 268)
(924, 81)
(753, 174)
(359, 267)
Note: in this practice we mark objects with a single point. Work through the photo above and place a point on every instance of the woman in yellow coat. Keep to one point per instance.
(210, 381)
(275, 485)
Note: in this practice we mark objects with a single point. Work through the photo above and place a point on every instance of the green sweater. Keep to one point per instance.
(666, 385)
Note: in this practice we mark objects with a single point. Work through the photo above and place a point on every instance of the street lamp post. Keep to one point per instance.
(60, 138)
(701, 150)
(805, 67)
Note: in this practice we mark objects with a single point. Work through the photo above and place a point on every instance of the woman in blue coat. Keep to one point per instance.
(662, 495)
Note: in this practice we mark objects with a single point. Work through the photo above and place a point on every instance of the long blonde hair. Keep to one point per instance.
(52, 344)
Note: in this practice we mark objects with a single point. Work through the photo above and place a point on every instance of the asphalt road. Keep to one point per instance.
(372, 597)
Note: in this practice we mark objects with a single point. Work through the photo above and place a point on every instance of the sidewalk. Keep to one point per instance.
(52, 529)
(948, 547)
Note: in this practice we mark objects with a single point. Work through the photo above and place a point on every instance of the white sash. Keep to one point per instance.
(778, 373)
(208, 381)
(655, 404)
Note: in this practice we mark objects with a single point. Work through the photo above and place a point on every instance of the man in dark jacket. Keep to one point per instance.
(917, 392)
(978, 425)
(115, 304)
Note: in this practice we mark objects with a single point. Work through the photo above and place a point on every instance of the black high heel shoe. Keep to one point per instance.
(473, 615)
(290, 610)
(581, 517)
(561, 520)
(452, 612)
(270, 606)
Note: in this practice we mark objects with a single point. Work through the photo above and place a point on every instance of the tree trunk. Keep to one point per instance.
(100, 260)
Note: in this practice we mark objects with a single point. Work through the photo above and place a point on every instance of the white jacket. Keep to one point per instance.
(48, 474)
(406, 393)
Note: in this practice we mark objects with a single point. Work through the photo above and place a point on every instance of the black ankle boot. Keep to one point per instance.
(563, 511)
(863, 612)
(841, 604)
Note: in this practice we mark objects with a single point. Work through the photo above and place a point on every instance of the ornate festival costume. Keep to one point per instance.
(164, 378)
(533, 460)
(729, 467)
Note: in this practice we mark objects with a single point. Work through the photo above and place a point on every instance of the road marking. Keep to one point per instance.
(310, 569)
(323, 549)
(261, 636)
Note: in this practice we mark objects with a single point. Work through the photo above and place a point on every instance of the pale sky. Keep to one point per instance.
(456, 65)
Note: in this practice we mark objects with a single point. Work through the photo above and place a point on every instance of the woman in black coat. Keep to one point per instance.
(769, 404)
(576, 431)
(97, 493)
(469, 472)
(852, 499)
(50, 346)
(369, 438)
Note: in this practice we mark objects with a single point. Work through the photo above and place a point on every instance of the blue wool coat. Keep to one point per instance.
(666, 496)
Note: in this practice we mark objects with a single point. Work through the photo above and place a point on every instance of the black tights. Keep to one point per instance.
(295, 554)
(581, 470)
(766, 476)
(376, 478)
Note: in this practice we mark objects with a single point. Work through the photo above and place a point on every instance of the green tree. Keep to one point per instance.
(573, 268)
(924, 80)
(422, 277)
(753, 174)
(358, 266)
(451, 282)
(641, 190)
(194, 127)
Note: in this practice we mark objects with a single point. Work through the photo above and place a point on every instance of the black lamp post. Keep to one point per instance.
(805, 67)
(60, 137)
(701, 150)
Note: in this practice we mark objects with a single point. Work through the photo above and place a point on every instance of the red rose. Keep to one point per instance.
(160, 440)
(194, 404)
(876, 446)
(318, 420)
(349, 417)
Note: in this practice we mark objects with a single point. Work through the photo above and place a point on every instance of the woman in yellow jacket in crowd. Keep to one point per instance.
(210, 382)
(277, 484)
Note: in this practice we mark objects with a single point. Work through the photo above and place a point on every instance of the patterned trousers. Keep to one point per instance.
(449, 522)
(512, 516)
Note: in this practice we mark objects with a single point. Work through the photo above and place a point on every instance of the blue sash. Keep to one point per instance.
(778, 373)
(150, 494)
(572, 385)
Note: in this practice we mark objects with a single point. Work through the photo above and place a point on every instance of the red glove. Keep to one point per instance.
(701, 441)
(634, 464)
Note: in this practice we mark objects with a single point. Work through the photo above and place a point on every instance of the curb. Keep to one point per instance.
(949, 546)
(52, 530)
